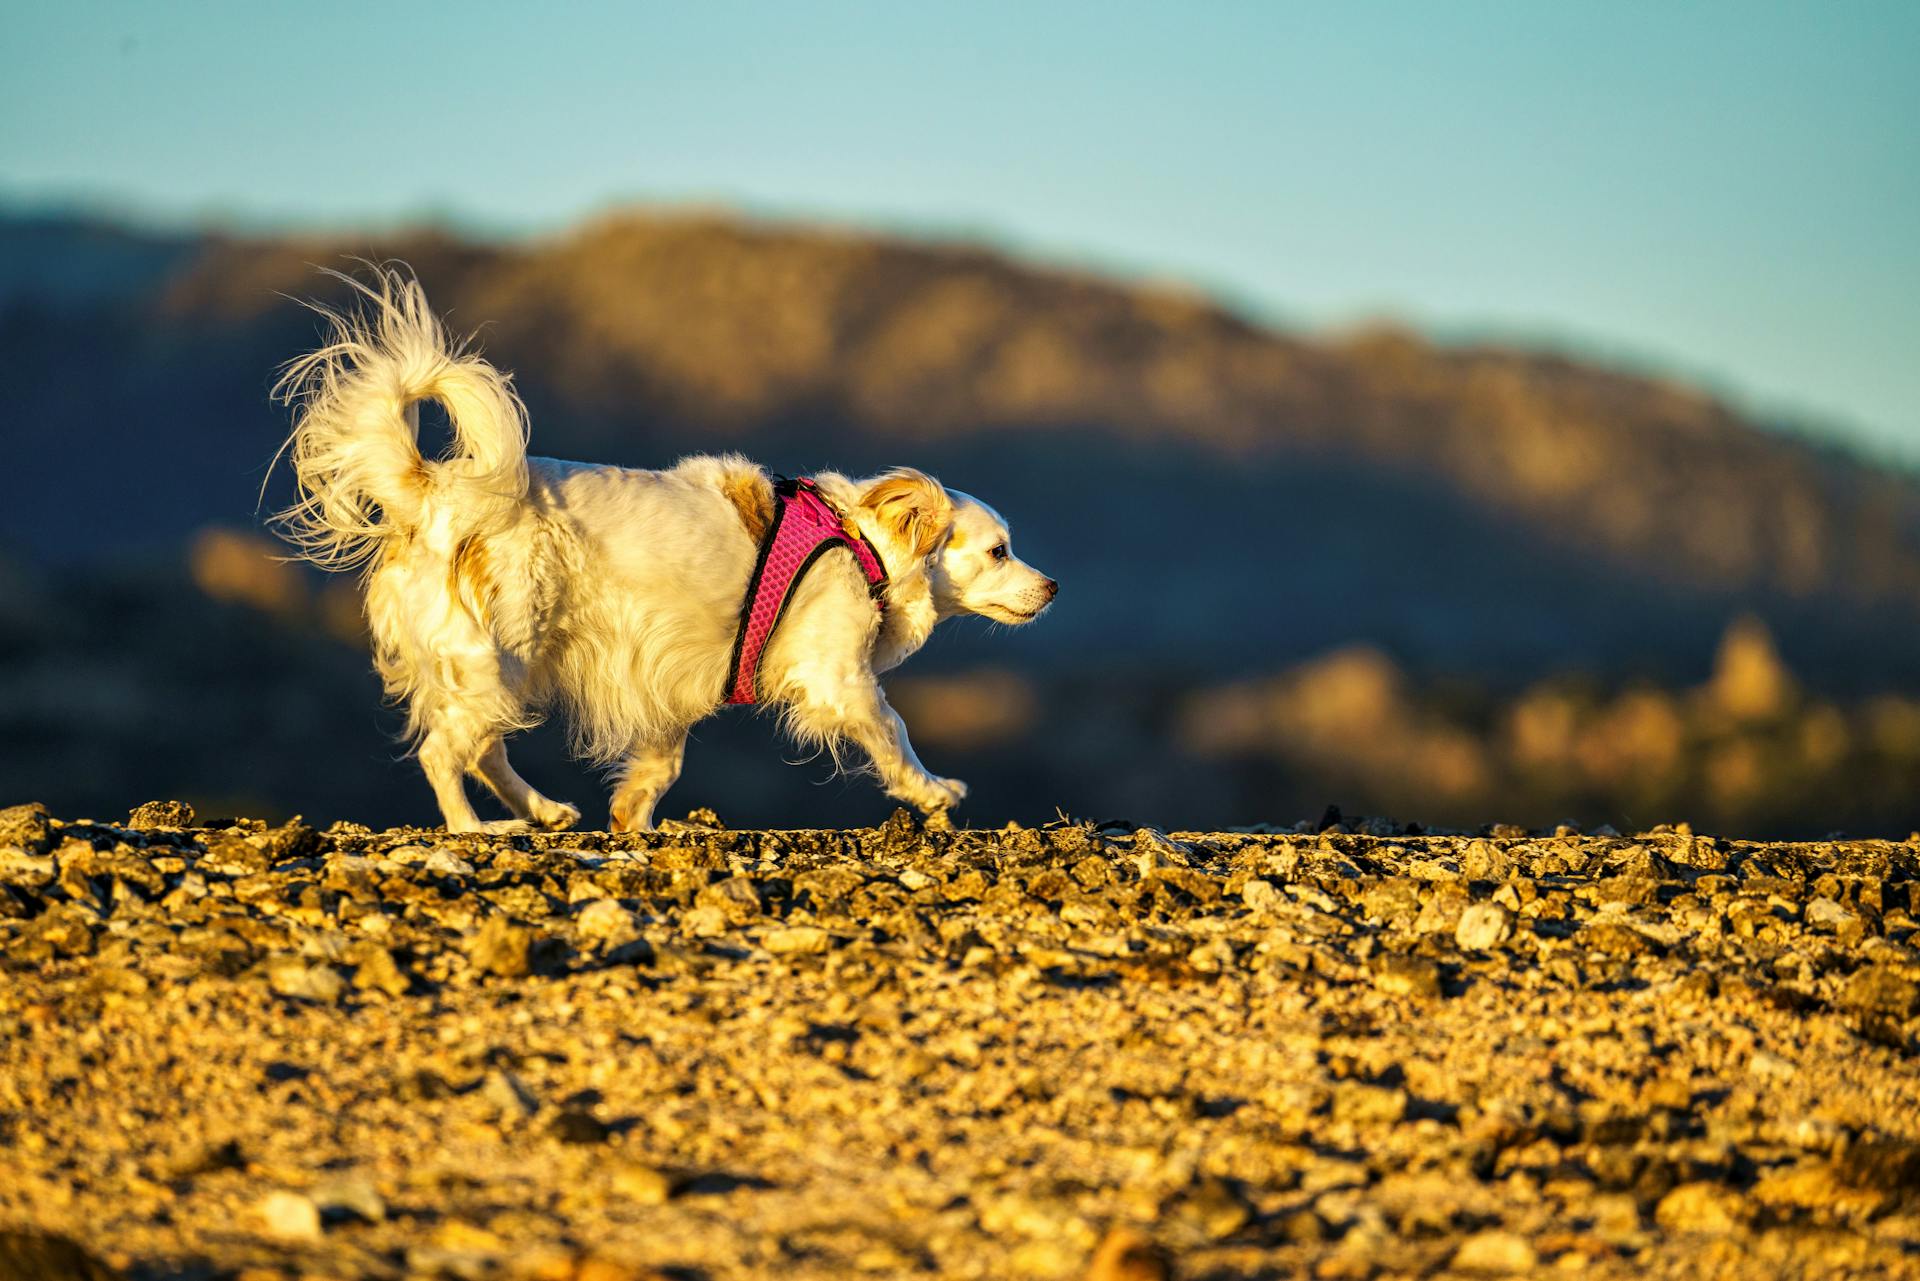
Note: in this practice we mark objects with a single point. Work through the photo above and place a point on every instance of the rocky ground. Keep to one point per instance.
(234, 1051)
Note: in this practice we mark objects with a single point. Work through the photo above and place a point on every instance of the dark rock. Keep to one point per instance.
(575, 1126)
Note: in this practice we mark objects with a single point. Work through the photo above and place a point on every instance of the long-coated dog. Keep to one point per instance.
(498, 585)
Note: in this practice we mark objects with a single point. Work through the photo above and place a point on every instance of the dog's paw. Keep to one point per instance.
(556, 816)
(940, 795)
(506, 827)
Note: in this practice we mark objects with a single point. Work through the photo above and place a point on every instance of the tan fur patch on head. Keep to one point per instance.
(911, 504)
(751, 494)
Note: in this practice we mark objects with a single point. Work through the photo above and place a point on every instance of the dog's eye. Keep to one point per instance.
(998, 551)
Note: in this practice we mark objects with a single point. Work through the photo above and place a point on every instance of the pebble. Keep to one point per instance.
(352, 1195)
(1261, 897)
(289, 1216)
(292, 977)
(1495, 1253)
(1700, 1207)
(644, 1184)
(1398, 975)
(796, 940)
(509, 1095)
(501, 948)
(1360, 1103)
(1128, 1254)
(1483, 926)
(607, 923)
(443, 862)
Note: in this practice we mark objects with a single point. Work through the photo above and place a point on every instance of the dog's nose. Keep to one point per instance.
(1053, 589)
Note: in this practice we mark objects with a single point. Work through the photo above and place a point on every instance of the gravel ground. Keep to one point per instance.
(234, 1051)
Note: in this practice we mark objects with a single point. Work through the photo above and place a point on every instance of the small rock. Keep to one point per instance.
(443, 862)
(796, 940)
(290, 976)
(161, 814)
(1887, 1165)
(376, 970)
(1495, 1253)
(1126, 1254)
(501, 948)
(1152, 851)
(1821, 1187)
(598, 1267)
(605, 922)
(26, 829)
(1878, 989)
(348, 1196)
(1483, 926)
(1261, 896)
(1210, 1206)
(234, 856)
(1485, 861)
(205, 1158)
(26, 870)
(1700, 1207)
(1359, 1103)
(1212, 957)
(644, 1183)
(1398, 975)
(1615, 939)
(1770, 1067)
(289, 1216)
(509, 1095)
(735, 898)
(1825, 914)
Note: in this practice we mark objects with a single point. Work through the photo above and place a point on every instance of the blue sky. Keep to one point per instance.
(1726, 191)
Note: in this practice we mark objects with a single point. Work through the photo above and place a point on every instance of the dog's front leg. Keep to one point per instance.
(650, 769)
(869, 720)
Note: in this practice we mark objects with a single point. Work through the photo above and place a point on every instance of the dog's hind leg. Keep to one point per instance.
(519, 796)
(650, 769)
(452, 748)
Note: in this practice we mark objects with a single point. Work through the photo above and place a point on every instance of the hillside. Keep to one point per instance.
(1475, 509)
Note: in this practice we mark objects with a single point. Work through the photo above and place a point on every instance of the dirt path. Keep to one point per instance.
(237, 1051)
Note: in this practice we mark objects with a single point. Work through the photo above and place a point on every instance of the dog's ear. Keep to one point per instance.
(912, 505)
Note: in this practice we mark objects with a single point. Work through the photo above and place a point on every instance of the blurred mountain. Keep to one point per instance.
(1219, 499)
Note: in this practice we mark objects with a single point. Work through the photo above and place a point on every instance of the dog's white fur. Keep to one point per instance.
(498, 584)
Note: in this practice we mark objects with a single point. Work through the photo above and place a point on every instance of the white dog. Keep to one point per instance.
(497, 584)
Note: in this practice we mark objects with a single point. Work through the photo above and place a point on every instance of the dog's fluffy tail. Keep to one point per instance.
(355, 446)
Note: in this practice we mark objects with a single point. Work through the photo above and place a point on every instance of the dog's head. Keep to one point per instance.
(967, 548)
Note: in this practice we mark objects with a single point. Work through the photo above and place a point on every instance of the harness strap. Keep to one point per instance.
(805, 527)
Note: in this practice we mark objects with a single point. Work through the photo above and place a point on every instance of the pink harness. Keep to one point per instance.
(805, 526)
